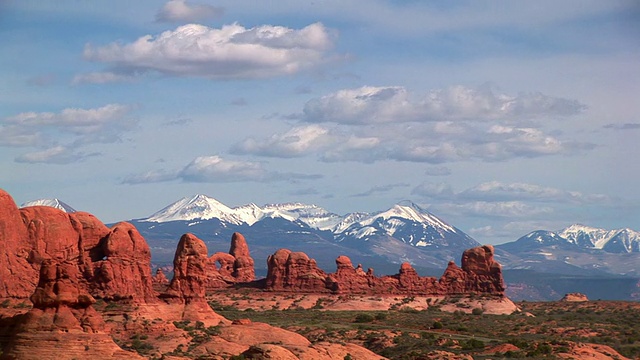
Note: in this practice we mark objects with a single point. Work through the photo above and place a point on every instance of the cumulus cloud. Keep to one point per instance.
(393, 104)
(298, 141)
(54, 134)
(54, 155)
(181, 11)
(216, 169)
(370, 124)
(229, 52)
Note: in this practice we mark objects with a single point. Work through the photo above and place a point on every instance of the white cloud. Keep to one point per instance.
(216, 169)
(57, 133)
(54, 155)
(226, 53)
(370, 124)
(500, 209)
(298, 141)
(73, 119)
(394, 104)
(100, 78)
(496, 191)
(181, 11)
(17, 136)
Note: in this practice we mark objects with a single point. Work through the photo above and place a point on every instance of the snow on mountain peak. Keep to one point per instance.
(195, 207)
(55, 203)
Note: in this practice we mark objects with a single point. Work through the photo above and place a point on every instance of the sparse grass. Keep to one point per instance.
(416, 333)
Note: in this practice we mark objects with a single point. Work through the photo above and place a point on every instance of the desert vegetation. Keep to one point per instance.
(539, 330)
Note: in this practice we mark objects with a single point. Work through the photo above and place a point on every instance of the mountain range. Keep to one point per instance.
(384, 239)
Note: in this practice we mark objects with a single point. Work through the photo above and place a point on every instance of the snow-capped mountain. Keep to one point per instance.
(404, 232)
(621, 240)
(580, 237)
(202, 207)
(55, 203)
(407, 222)
(198, 207)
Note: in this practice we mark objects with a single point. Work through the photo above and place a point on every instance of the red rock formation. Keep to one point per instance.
(18, 277)
(62, 323)
(160, 278)
(124, 272)
(483, 273)
(293, 271)
(189, 271)
(243, 270)
(480, 273)
(237, 266)
(575, 297)
(114, 263)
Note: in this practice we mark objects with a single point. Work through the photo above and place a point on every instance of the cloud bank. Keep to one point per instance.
(216, 169)
(58, 135)
(370, 124)
(230, 52)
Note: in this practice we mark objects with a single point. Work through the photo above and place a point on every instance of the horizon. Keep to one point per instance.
(569, 226)
(501, 118)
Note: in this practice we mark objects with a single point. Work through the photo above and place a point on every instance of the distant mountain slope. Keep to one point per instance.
(50, 202)
(585, 249)
(579, 238)
(404, 232)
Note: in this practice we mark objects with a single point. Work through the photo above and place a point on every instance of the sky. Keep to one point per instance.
(499, 117)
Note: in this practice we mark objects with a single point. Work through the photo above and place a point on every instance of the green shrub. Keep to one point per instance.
(364, 318)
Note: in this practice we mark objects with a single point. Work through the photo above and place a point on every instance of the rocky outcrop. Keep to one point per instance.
(237, 266)
(243, 270)
(483, 273)
(294, 271)
(480, 274)
(124, 272)
(113, 263)
(188, 285)
(575, 297)
(160, 278)
(62, 317)
(18, 277)
(189, 271)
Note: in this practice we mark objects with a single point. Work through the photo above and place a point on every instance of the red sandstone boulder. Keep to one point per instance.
(574, 297)
(160, 278)
(292, 271)
(484, 274)
(124, 271)
(189, 270)
(347, 279)
(243, 270)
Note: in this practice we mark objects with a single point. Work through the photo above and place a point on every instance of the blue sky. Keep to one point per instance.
(500, 117)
